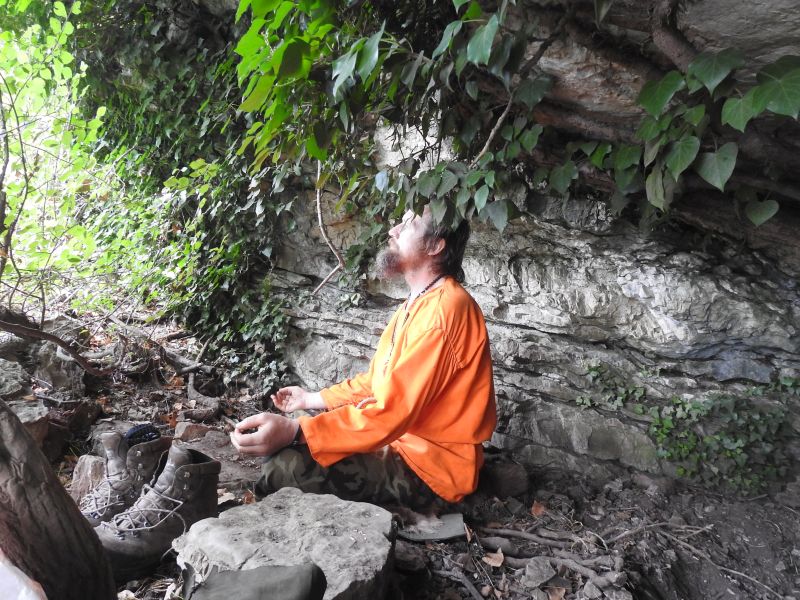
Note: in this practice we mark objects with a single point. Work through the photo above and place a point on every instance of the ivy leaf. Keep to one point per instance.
(459, 3)
(462, 197)
(588, 147)
(368, 57)
(531, 91)
(530, 137)
(447, 37)
(474, 177)
(627, 156)
(778, 69)
(598, 156)
(695, 114)
(448, 182)
(781, 96)
(438, 209)
(648, 129)
(717, 167)
(480, 45)
(562, 176)
(682, 154)
(761, 212)
(480, 197)
(712, 67)
(59, 9)
(498, 213)
(292, 58)
(737, 112)
(262, 7)
(601, 8)
(655, 95)
(654, 187)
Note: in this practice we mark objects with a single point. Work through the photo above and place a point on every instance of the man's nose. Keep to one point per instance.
(394, 231)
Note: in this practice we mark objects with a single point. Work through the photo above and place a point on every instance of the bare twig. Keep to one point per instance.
(526, 536)
(631, 532)
(324, 232)
(461, 578)
(705, 556)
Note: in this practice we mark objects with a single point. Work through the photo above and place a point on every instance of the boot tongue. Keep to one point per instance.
(177, 457)
(116, 449)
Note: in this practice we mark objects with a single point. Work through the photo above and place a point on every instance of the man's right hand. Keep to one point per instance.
(292, 398)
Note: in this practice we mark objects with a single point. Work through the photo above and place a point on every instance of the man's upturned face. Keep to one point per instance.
(406, 249)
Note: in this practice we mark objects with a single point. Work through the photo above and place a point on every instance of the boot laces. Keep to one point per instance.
(136, 517)
(99, 500)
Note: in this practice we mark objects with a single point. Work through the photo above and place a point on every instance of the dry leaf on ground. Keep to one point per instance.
(494, 559)
(538, 509)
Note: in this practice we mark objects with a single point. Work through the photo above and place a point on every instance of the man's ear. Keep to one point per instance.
(436, 248)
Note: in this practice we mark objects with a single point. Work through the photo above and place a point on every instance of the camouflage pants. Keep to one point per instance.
(380, 477)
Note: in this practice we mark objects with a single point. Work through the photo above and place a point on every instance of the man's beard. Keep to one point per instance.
(387, 264)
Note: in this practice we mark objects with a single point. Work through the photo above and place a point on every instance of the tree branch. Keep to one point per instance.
(324, 232)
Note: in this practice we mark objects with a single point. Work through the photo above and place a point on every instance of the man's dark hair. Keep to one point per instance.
(455, 241)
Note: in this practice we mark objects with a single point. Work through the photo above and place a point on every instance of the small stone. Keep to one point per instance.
(409, 558)
(515, 507)
(537, 572)
(591, 591)
(781, 566)
(187, 431)
(89, 471)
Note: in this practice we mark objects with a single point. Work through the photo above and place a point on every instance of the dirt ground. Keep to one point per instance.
(543, 535)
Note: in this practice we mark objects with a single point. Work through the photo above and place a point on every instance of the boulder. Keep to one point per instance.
(14, 381)
(352, 542)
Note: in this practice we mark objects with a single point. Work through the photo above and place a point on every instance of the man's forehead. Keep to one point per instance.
(410, 215)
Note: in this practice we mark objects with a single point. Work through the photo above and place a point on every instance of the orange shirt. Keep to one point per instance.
(430, 397)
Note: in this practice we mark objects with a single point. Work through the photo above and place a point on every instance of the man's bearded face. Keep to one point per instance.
(406, 248)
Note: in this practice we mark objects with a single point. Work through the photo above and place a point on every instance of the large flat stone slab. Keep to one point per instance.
(352, 542)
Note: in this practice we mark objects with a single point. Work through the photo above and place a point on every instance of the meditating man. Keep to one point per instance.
(410, 429)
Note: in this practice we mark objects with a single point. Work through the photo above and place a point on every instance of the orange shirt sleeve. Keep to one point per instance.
(425, 366)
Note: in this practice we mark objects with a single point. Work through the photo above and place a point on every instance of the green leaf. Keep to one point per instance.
(459, 3)
(292, 58)
(473, 11)
(513, 150)
(463, 197)
(448, 182)
(427, 183)
(561, 177)
(648, 129)
(598, 156)
(654, 187)
(59, 9)
(712, 67)
(601, 8)
(531, 91)
(695, 114)
(761, 212)
(381, 181)
(717, 167)
(627, 156)
(498, 213)
(588, 147)
(447, 37)
(480, 197)
(737, 112)
(530, 137)
(472, 89)
(480, 45)
(343, 68)
(682, 154)
(781, 96)
(256, 98)
(655, 95)
(778, 69)
(368, 57)
(438, 209)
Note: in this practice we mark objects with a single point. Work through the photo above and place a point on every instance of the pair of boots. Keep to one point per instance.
(147, 500)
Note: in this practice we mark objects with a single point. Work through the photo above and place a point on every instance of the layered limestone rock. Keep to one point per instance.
(578, 307)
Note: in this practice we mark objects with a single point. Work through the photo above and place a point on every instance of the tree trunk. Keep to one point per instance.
(41, 529)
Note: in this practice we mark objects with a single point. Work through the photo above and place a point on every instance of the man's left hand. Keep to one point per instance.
(273, 432)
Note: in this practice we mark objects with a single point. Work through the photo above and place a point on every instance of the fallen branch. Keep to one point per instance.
(462, 579)
(526, 536)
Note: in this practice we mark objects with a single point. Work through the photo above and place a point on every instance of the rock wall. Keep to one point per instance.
(568, 293)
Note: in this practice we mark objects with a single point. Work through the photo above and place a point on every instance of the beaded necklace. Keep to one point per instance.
(408, 303)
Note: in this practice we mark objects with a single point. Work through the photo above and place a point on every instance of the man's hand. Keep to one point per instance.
(273, 432)
(294, 397)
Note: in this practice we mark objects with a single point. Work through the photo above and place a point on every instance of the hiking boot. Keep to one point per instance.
(127, 470)
(184, 493)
